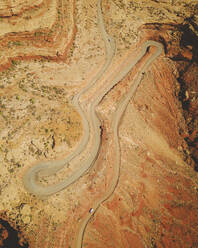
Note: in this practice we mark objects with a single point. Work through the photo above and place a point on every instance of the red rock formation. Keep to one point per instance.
(189, 81)
(155, 202)
(42, 29)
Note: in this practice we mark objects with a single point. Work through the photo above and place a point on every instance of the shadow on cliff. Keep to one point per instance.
(10, 237)
(190, 38)
(180, 43)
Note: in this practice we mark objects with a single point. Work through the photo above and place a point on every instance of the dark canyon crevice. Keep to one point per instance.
(181, 47)
(188, 80)
(11, 236)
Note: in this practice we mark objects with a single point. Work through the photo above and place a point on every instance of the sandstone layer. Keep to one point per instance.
(33, 29)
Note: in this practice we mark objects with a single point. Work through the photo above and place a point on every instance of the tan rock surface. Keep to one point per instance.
(33, 29)
(155, 201)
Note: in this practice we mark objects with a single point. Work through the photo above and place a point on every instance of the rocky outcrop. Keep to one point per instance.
(154, 204)
(41, 29)
(189, 98)
(180, 42)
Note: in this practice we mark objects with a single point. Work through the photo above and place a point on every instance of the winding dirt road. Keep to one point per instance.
(52, 167)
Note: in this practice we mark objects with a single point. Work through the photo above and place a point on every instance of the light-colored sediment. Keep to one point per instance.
(41, 29)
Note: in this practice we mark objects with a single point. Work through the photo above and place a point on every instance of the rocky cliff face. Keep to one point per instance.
(49, 52)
